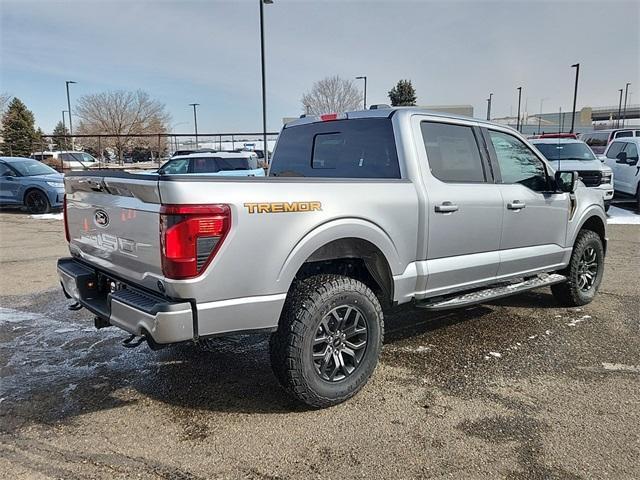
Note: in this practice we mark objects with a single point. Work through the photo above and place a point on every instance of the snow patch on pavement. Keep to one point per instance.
(48, 216)
(620, 216)
(576, 321)
(620, 367)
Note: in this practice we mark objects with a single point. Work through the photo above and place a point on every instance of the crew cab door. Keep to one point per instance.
(464, 206)
(534, 224)
(622, 157)
(9, 185)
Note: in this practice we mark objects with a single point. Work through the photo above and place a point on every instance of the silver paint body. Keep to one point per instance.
(428, 253)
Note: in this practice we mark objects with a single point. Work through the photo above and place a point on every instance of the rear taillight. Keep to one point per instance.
(65, 216)
(190, 235)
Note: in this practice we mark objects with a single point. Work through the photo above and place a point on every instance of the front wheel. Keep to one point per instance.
(37, 202)
(584, 272)
(328, 341)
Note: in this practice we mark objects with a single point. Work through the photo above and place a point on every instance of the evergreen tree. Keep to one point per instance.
(18, 130)
(403, 94)
(59, 141)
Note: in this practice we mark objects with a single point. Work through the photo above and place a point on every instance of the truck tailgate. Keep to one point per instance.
(114, 223)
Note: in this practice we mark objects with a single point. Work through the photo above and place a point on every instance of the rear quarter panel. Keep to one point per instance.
(263, 251)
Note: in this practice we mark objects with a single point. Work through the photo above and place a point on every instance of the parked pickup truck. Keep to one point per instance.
(360, 212)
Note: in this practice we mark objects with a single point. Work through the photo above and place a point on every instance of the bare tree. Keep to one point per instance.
(122, 113)
(332, 94)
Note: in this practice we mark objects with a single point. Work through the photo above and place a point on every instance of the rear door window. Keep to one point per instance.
(452, 152)
(358, 148)
(624, 134)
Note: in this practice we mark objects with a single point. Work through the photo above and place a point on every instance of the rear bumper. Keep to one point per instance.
(133, 310)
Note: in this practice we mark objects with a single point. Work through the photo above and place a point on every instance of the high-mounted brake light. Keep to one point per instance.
(65, 216)
(327, 117)
(190, 236)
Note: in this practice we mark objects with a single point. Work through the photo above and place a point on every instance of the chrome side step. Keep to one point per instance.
(492, 293)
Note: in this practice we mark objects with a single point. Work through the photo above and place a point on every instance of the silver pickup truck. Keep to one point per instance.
(360, 212)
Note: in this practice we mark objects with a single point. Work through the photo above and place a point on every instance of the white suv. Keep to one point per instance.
(622, 156)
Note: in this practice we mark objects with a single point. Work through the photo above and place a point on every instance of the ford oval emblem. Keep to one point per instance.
(101, 218)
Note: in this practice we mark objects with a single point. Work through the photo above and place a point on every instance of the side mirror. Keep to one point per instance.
(621, 157)
(566, 182)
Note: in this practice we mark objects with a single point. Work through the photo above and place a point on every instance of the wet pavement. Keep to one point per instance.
(518, 388)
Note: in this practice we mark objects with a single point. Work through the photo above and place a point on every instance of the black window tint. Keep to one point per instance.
(452, 152)
(632, 151)
(359, 148)
(614, 149)
(4, 169)
(204, 165)
(624, 134)
(518, 164)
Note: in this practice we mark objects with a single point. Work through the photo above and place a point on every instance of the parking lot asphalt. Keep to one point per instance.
(519, 388)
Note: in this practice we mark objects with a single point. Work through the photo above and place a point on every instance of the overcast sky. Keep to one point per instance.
(455, 52)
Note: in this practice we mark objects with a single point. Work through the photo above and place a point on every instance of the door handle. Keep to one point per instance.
(446, 207)
(516, 205)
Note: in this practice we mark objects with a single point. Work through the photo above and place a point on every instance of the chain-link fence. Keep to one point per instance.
(139, 151)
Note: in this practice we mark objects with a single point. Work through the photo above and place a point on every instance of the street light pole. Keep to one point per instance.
(195, 121)
(489, 106)
(624, 112)
(264, 82)
(519, 99)
(69, 112)
(619, 109)
(64, 126)
(575, 95)
(540, 116)
(365, 89)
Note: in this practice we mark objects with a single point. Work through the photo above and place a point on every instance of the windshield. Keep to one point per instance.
(172, 167)
(565, 151)
(30, 168)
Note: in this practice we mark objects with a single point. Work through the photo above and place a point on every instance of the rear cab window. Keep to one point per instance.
(356, 148)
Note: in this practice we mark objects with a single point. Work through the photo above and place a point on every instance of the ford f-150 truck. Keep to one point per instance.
(360, 212)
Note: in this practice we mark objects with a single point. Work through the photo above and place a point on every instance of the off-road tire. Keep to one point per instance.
(308, 303)
(569, 293)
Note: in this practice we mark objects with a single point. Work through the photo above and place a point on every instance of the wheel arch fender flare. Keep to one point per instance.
(592, 218)
(344, 228)
(28, 188)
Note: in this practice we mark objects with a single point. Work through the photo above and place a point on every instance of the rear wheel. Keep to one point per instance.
(328, 341)
(37, 202)
(584, 272)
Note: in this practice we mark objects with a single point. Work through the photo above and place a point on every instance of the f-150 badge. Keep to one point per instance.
(283, 207)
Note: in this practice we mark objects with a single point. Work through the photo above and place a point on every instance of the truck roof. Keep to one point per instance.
(385, 112)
